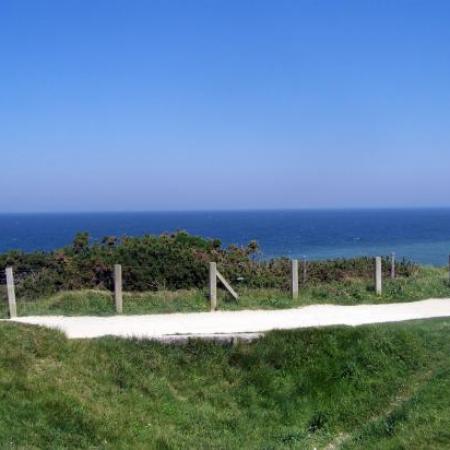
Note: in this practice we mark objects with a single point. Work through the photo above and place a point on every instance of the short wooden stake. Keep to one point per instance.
(118, 288)
(213, 285)
(378, 276)
(294, 278)
(11, 293)
(393, 266)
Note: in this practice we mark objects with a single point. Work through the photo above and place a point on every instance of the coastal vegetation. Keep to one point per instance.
(372, 387)
(170, 261)
(375, 387)
(169, 273)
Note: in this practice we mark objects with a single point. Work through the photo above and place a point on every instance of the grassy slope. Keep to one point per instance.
(428, 283)
(384, 386)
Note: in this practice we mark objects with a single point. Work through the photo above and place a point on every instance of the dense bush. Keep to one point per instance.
(169, 261)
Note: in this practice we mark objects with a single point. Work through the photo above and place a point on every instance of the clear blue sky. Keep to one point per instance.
(222, 104)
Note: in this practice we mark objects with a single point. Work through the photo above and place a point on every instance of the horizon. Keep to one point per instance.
(242, 210)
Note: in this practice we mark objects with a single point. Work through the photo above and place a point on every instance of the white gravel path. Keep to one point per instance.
(232, 324)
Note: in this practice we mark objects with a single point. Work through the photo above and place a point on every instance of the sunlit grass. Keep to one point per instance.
(427, 283)
(384, 386)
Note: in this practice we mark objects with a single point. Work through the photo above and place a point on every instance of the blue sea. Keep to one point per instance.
(422, 235)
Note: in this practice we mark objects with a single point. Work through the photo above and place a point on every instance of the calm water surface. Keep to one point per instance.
(422, 235)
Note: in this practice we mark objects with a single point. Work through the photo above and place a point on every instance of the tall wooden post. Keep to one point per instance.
(378, 276)
(11, 293)
(393, 265)
(294, 278)
(213, 285)
(118, 288)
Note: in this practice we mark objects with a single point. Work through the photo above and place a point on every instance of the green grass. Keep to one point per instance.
(427, 283)
(372, 387)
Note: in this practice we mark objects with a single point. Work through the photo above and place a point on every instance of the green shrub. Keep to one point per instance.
(170, 261)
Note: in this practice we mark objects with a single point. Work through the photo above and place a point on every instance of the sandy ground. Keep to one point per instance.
(245, 324)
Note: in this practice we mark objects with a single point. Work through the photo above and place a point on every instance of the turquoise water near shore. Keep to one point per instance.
(419, 234)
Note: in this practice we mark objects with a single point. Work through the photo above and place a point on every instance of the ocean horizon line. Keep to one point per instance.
(237, 210)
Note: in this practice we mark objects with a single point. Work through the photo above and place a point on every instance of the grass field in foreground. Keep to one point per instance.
(372, 387)
(427, 283)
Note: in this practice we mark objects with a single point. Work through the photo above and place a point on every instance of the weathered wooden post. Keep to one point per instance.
(118, 288)
(393, 265)
(11, 293)
(378, 276)
(294, 278)
(305, 271)
(213, 285)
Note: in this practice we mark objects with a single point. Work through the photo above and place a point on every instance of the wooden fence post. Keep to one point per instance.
(378, 276)
(294, 278)
(118, 288)
(213, 285)
(393, 265)
(11, 293)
